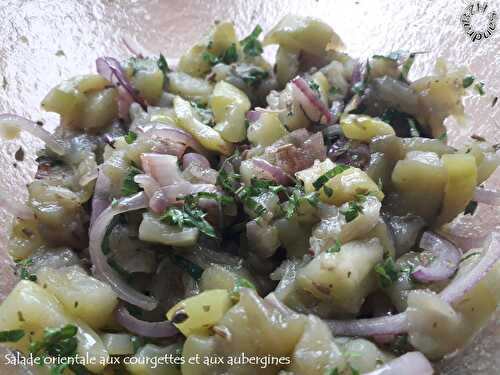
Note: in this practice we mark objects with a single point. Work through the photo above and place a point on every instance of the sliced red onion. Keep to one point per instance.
(167, 195)
(357, 73)
(102, 269)
(445, 263)
(384, 325)
(163, 168)
(199, 159)
(171, 134)
(111, 69)
(457, 289)
(411, 363)
(275, 173)
(253, 116)
(487, 196)
(15, 208)
(144, 328)
(11, 121)
(101, 198)
(307, 97)
(147, 183)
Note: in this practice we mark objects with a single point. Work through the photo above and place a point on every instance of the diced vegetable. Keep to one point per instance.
(287, 65)
(155, 360)
(347, 186)
(147, 78)
(229, 105)
(83, 102)
(195, 315)
(118, 343)
(302, 34)
(343, 278)
(32, 308)
(266, 130)
(189, 87)
(204, 134)
(461, 179)
(364, 128)
(152, 229)
(310, 175)
(83, 296)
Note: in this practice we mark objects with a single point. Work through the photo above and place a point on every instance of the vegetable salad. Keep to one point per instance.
(225, 207)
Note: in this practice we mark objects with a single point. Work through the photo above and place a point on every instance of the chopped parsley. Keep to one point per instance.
(60, 53)
(352, 211)
(359, 88)
(12, 336)
(163, 65)
(206, 115)
(130, 137)
(335, 248)
(314, 86)
(468, 81)
(334, 90)
(240, 283)
(254, 76)
(257, 187)
(194, 270)
(228, 181)
(210, 58)
(323, 179)
(189, 215)
(471, 208)
(333, 371)
(23, 269)
(403, 124)
(297, 197)
(387, 272)
(480, 88)
(251, 45)
(129, 186)
(395, 56)
(230, 55)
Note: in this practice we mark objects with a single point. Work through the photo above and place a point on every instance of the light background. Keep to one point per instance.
(32, 33)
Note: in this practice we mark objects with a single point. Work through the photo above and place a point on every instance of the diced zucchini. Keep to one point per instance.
(364, 128)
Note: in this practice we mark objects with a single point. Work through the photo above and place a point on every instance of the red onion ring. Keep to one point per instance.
(147, 183)
(275, 173)
(311, 97)
(458, 288)
(487, 196)
(163, 168)
(447, 258)
(100, 199)
(167, 195)
(384, 325)
(172, 134)
(15, 208)
(253, 116)
(192, 157)
(411, 363)
(102, 269)
(144, 328)
(8, 120)
(111, 69)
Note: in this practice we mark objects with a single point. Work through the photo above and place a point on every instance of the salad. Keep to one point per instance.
(226, 215)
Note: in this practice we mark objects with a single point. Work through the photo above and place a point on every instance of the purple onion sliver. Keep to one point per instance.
(445, 263)
(313, 99)
(192, 157)
(385, 325)
(275, 173)
(253, 116)
(143, 328)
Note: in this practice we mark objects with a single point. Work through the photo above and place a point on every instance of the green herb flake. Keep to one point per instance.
(359, 88)
(298, 197)
(354, 371)
(240, 283)
(480, 88)
(333, 371)
(335, 248)
(352, 211)
(257, 187)
(210, 58)
(387, 272)
(4, 83)
(129, 186)
(12, 336)
(323, 179)
(23, 269)
(163, 65)
(471, 208)
(60, 53)
(254, 76)
(334, 90)
(468, 81)
(328, 191)
(194, 270)
(130, 137)
(313, 85)
(251, 45)
(443, 137)
(230, 55)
